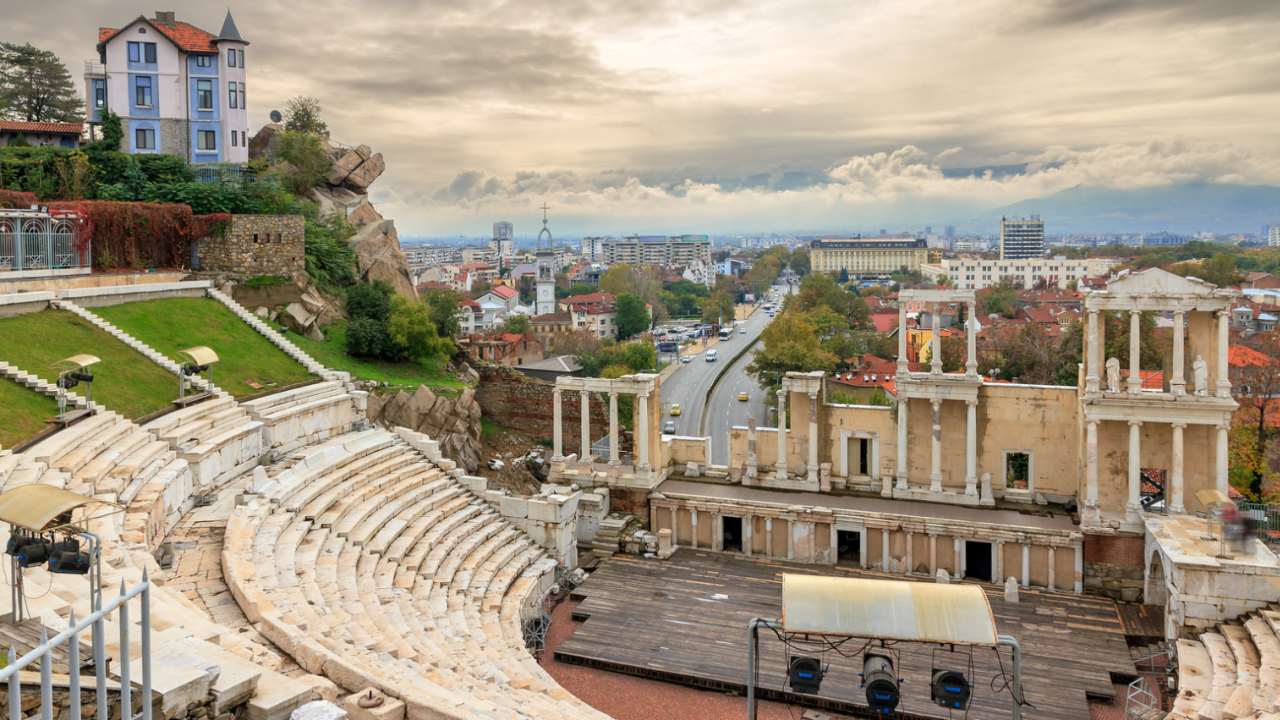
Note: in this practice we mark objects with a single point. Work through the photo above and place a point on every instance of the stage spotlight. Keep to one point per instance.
(17, 542)
(34, 553)
(81, 377)
(880, 681)
(805, 674)
(950, 689)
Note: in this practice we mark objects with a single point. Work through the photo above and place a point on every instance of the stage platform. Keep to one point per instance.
(685, 620)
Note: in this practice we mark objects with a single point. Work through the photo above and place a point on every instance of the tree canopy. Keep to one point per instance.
(304, 115)
(633, 317)
(36, 87)
(790, 344)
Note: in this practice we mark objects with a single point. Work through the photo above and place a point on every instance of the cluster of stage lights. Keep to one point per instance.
(70, 380)
(63, 556)
(949, 688)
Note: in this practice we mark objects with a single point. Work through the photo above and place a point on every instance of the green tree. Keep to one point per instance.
(640, 357)
(581, 289)
(844, 276)
(633, 317)
(790, 343)
(617, 281)
(409, 326)
(443, 306)
(36, 87)
(368, 338)
(719, 307)
(370, 300)
(799, 261)
(308, 163)
(304, 115)
(517, 324)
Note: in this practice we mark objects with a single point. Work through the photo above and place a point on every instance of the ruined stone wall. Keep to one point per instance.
(1113, 566)
(256, 245)
(524, 404)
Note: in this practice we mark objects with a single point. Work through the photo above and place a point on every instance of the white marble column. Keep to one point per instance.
(971, 338)
(791, 539)
(1221, 457)
(971, 449)
(781, 465)
(1134, 505)
(1224, 366)
(586, 426)
(1078, 550)
(1026, 564)
(957, 558)
(1091, 362)
(1135, 351)
(693, 522)
(935, 366)
(1178, 385)
(557, 431)
(1175, 481)
(862, 548)
(834, 539)
(884, 550)
(902, 337)
(813, 438)
(911, 552)
(1053, 571)
(1091, 510)
(902, 441)
(642, 432)
(717, 532)
(747, 522)
(997, 563)
(935, 473)
(933, 554)
(768, 537)
(614, 449)
(813, 542)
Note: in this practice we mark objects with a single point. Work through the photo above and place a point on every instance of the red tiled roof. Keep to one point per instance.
(593, 308)
(44, 127)
(185, 35)
(1241, 355)
(885, 321)
(597, 297)
(468, 302)
(476, 266)
(504, 292)
(551, 318)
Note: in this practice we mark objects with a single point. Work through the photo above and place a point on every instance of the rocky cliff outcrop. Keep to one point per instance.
(454, 422)
(379, 257)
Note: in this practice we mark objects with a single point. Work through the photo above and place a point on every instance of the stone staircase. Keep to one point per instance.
(605, 542)
(276, 338)
(370, 563)
(1232, 671)
(44, 387)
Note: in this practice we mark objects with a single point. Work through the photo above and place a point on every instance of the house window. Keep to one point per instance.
(142, 92)
(244, 99)
(233, 96)
(204, 94)
(144, 139)
(100, 94)
(231, 57)
(142, 52)
(207, 140)
(243, 142)
(233, 138)
(204, 61)
(241, 57)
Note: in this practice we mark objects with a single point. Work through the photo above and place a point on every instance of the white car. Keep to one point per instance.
(744, 331)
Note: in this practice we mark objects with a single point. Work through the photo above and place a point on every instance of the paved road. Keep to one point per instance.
(726, 410)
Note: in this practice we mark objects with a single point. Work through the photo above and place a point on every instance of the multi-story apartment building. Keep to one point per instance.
(1273, 236)
(177, 89)
(976, 274)
(593, 247)
(867, 258)
(430, 256)
(504, 239)
(1021, 238)
(479, 255)
(675, 251)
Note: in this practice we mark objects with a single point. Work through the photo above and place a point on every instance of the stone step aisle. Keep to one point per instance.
(277, 339)
(44, 387)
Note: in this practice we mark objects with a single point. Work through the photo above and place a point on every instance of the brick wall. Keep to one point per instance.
(1114, 567)
(256, 245)
(524, 404)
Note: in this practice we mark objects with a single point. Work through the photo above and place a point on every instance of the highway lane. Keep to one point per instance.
(726, 410)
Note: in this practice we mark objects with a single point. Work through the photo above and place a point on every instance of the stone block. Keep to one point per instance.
(1011, 590)
(389, 708)
(543, 511)
(179, 687)
(513, 507)
(319, 710)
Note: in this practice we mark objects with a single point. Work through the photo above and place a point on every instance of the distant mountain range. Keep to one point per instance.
(1187, 208)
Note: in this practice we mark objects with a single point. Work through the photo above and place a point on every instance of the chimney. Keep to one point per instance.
(167, 18)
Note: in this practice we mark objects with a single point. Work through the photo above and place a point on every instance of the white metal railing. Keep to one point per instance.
(71, 636)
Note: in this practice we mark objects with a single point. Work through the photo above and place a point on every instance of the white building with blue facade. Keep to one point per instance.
(178, 89)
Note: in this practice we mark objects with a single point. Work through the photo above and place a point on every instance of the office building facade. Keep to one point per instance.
(675, 251)
(977, 274)
(1021, 239)
(868, 258)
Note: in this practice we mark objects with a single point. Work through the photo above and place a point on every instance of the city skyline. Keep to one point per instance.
(732, 116)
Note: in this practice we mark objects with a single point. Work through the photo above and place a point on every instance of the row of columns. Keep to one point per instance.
(1176, 501)
(1178, 381)
(971, 354)
(812, 463)
(935, 467)
(997, 559)
(615, 450)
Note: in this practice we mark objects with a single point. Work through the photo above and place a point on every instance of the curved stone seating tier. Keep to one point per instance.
(367, 563)
(306, 415)
(216, 437)
(1231, 672)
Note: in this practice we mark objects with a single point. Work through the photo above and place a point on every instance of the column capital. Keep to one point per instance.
(1178, 425)
(937, 403)
(1093, 423)
(556, 392)
(613, 394)
(584, 393)
(1223, 313)
(1223, 427)
(971, 402)
(782, 392)
(1136, 311)
(1135, 423)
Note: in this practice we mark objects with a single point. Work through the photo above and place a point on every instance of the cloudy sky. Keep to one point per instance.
(723, 116)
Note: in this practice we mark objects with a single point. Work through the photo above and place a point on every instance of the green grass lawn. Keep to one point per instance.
(332, 354)
(125, 381)
(176, 324)
(22, 412)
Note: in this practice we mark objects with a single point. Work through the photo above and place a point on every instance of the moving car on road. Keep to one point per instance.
(743, 331)
(669, 428)
(742, 396)
(711, 356)
(675, 409)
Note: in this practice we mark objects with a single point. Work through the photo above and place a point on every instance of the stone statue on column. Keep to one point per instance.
(986, 498)
(1200, 371)
(1113, 375)
(751, 472)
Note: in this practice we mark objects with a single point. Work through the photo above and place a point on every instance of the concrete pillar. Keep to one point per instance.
(1053, 571)
(933, 554)
(884, 550)
(675, 515)
(971, 337)
(557, 432)
(1091, 362)
(693, 522)
(971, 448)
(813, 438)
(1026, 564)
(935, 366)
(586, 425)
(781, 464)
(768, 537)
(1175, 481)
(1135, 348)
(614, 449)
(902, 337)
(1078, 549)
(1134, 505)
(935, 472)
(902, 442)
(1220, 476)
(862, 548)
(747, 523)
(1224, 366)
(1091, 471)
(911, 552)
(1178, 385)
(717, 532)
(791, 539)
(813, 542)
(997, 548)
(642, 433)
(834, 538)
(957, 555)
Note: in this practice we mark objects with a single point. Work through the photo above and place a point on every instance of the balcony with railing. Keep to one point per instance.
(93, 68)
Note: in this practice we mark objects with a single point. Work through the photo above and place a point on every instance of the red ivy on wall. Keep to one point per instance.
(141, 235)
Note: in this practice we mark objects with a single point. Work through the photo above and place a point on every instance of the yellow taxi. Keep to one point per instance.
(742, 396)
(675, 408)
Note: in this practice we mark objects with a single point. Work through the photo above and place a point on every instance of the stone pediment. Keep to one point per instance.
(1154, 281)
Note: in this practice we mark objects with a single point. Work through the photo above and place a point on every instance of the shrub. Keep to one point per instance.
(370, 300)
(411, 329)
(369, 339)
(308, 163)
(331, 262)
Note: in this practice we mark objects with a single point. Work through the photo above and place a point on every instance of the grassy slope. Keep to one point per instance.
(176, 324)
(332, 354)
(125, 380)
(22, 412)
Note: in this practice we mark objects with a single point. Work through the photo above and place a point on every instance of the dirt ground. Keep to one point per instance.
(509, 446)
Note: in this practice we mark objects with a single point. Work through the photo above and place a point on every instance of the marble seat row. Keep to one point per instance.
(1232, 671)
(382, 570)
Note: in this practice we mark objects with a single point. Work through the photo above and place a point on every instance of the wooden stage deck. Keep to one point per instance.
(685, 620)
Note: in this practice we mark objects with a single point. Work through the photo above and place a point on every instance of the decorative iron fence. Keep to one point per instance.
(42, 239)
(223, 173)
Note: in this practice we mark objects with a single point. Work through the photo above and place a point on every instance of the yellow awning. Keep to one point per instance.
(1209, 496)
(34, 507)
(888, 609)
(75, 362)
(200, 354)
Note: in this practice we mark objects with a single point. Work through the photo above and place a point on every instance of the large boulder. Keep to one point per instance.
(379, 257)
(364, 215)
(347, 164)
(266, 141)
(455, 422)
(368, 171)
